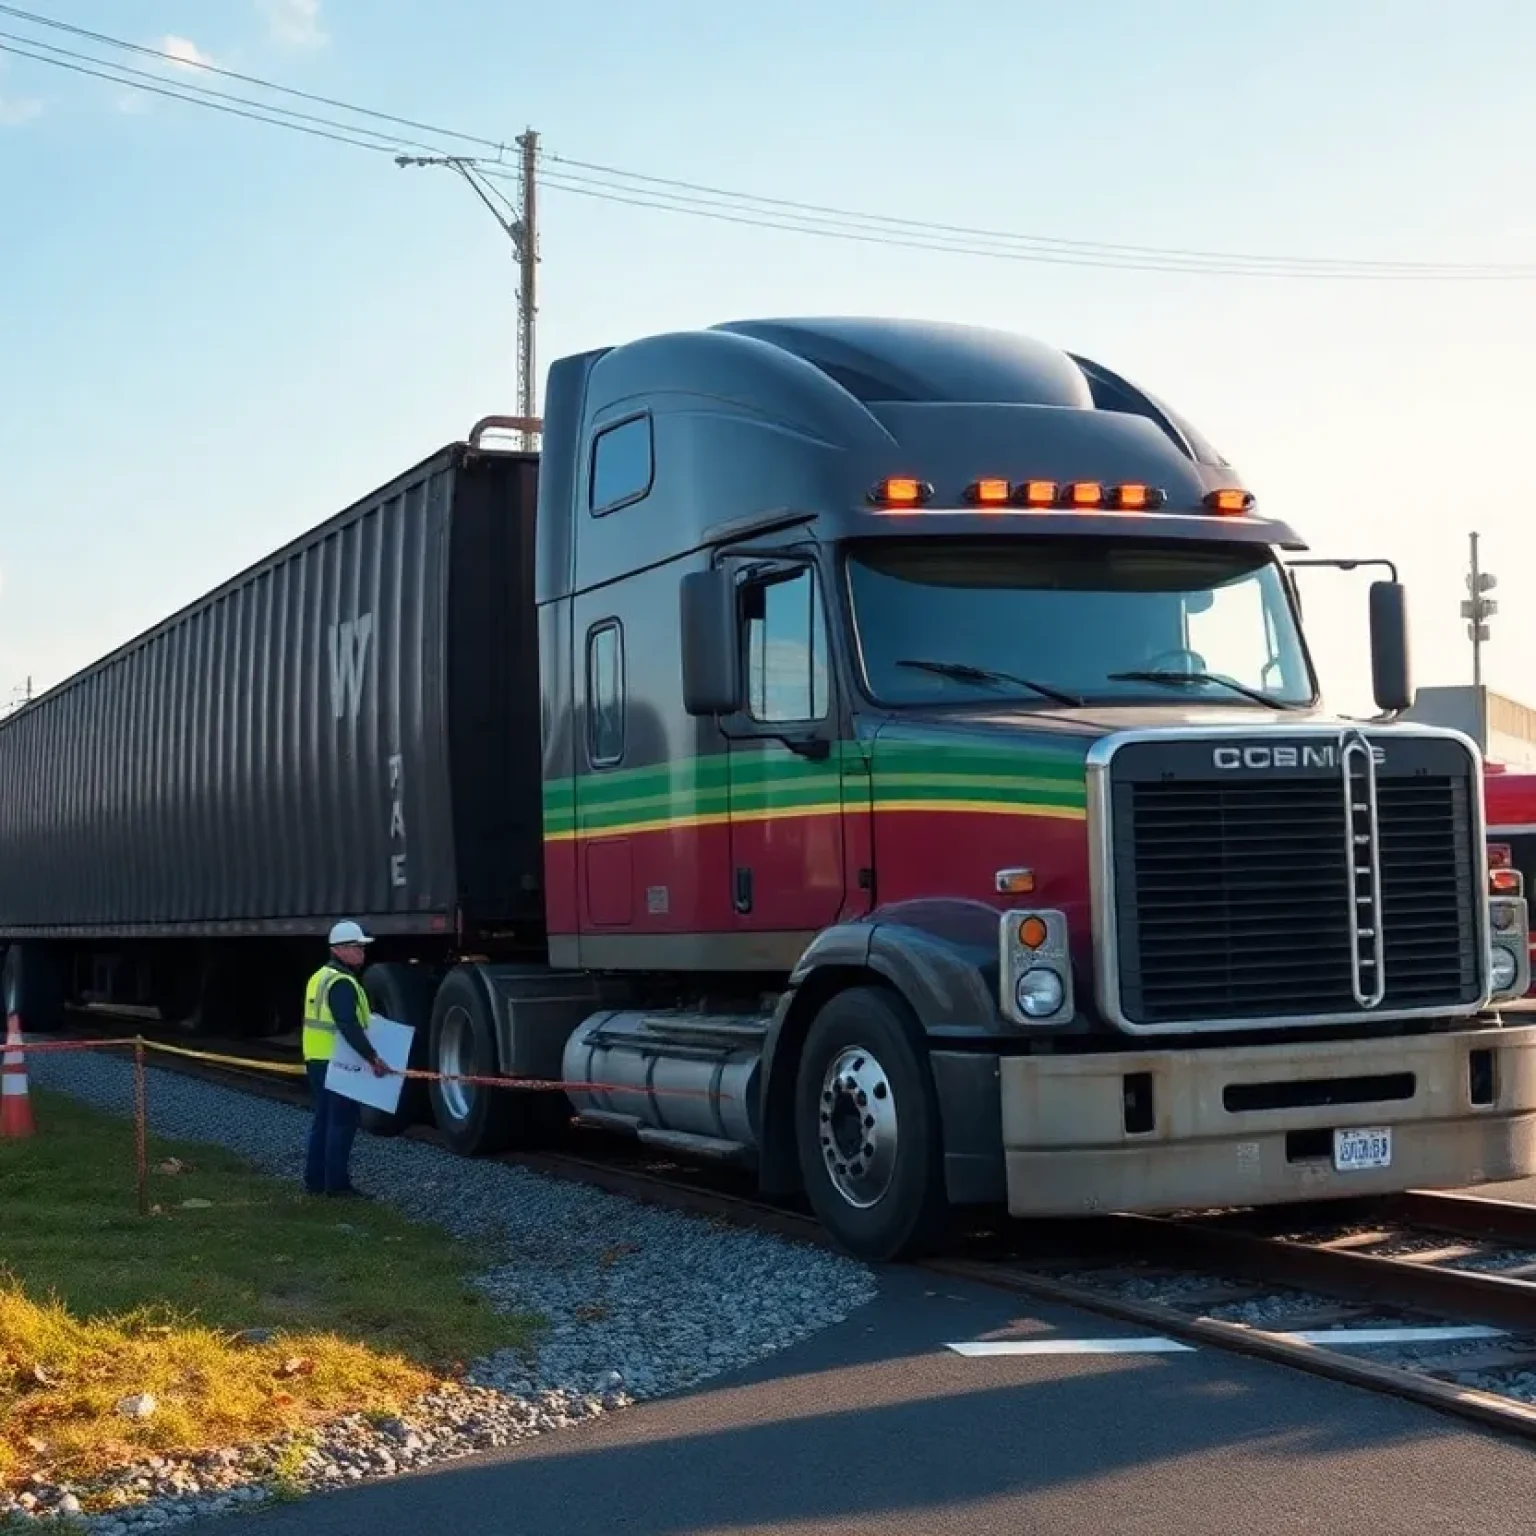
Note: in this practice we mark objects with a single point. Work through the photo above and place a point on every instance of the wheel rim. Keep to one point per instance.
(858, 1127)
(456, 1058)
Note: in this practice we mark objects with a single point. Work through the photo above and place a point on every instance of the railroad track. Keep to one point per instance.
(1290, 1286)
(1199, 1279)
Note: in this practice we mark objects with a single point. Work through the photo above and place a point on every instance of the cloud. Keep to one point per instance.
(294, 23)
(15, 110)
(184, 52)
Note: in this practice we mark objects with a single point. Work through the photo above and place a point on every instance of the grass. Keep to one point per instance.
(98, 1304)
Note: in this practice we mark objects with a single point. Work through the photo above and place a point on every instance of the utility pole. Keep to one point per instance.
(1477, 610)
(527, 246)
(522, 230)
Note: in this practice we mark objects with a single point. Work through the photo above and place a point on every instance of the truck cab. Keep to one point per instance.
(933, 759)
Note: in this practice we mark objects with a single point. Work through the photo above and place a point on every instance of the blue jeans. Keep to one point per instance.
(331, 1133)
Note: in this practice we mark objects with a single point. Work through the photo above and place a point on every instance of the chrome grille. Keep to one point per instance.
(1246, 896)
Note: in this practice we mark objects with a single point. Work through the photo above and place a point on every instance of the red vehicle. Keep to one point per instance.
(1510, 799)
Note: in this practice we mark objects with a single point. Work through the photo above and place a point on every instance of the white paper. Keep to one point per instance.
(352, 1077)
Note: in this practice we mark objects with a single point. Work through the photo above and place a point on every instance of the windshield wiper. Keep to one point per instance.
(966, 673)
(1150, 676)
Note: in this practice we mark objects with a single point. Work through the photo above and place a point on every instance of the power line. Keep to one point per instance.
(612, 184)
(863, 237)
(699, 208)
(232, 74)
(616, 175)
(180, 86)
(258, 116)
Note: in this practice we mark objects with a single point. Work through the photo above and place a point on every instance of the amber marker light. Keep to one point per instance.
(1136, 498)
(988, 493)
(1036, 493)
(1231, 503)
(1032, 932)
(1015, 882)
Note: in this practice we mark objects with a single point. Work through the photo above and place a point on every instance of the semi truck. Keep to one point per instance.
(882, 755)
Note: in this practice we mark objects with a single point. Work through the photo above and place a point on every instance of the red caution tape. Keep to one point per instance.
(297, 1069)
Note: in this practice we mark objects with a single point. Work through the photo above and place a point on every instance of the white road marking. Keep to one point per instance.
(1332, 1338)
(1135, 1346)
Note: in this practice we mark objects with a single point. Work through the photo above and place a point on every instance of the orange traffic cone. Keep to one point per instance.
(15, 1106)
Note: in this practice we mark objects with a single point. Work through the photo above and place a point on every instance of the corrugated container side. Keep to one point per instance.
(278, 753)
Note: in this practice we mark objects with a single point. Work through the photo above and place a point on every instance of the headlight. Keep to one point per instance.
(1505, 968)
(1034, 967)
(1039, 993)
(1504, 917)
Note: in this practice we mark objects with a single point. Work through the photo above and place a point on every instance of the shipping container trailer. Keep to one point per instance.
(900, 738)
(349, 726)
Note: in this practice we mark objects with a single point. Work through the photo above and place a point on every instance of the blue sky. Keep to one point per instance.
(213, 334)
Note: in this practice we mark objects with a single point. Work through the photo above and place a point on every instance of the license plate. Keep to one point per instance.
(1357, 1149)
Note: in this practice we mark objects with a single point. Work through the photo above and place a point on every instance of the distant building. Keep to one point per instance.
(1503, 728)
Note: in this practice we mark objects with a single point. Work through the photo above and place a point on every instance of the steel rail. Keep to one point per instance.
(1396, 1283)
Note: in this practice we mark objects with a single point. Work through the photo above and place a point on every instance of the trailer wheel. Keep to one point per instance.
(868, 1130)
(402, 993)
(473, 1120)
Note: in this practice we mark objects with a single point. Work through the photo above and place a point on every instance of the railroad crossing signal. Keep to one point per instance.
(1478, 609)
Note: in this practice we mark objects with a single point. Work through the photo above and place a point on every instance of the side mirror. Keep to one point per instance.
(1391, 670)
(710, 642)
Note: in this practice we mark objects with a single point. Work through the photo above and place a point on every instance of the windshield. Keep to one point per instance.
(954, 621)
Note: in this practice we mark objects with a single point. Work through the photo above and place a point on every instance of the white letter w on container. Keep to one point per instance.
(349, 660)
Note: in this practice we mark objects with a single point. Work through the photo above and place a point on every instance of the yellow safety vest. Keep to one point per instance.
(319, 1022)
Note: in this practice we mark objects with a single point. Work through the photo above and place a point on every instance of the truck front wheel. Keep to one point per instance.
(868, 1130)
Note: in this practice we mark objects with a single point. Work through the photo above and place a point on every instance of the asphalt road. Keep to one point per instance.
(876, 1429)
(1521, 1191)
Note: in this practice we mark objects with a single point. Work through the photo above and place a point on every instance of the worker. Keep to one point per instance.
(335, 1003)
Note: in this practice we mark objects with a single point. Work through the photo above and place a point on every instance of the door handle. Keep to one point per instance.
(743, 895)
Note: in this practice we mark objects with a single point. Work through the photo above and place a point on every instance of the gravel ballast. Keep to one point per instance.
(639, 1301)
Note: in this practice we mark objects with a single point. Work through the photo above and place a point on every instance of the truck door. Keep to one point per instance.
(786, 813)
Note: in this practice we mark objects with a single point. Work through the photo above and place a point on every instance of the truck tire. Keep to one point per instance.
(402, 993)
(868, 1130)
(473, 1121)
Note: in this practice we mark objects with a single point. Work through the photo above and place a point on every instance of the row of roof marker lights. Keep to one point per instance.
(904, 494)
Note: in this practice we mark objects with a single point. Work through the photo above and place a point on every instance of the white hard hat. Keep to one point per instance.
(348, 933)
